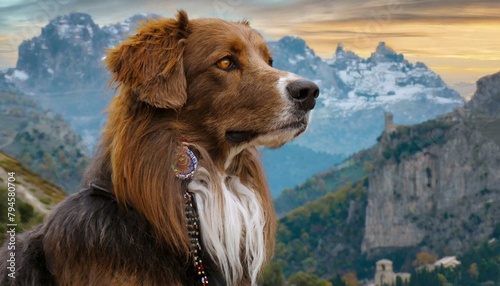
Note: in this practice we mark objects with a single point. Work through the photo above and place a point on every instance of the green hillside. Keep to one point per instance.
(324, 237)
(351, 170)
(34, 196)
(41, 140)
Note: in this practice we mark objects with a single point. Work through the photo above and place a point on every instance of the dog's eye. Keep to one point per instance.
(225, 63)
(271, 62)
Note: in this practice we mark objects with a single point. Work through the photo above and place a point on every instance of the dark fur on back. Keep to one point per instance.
(92, 233)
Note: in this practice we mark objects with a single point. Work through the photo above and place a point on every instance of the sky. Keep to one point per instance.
(458, 39)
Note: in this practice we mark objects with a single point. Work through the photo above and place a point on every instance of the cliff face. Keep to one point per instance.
(486, 100)
(438, 185)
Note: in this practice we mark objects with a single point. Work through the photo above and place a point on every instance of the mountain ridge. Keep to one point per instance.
(357, 91)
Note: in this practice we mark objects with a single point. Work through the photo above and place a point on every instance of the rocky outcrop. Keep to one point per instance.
(486, 100)
(438, 184)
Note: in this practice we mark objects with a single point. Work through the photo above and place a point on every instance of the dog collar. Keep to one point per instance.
(100, 191)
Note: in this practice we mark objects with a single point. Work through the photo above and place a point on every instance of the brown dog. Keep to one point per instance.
(206, 85)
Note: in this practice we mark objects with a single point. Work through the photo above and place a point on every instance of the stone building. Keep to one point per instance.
(389, 125)
(385, 275)
(446, 262)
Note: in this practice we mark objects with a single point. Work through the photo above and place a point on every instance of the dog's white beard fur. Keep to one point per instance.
(232, 224)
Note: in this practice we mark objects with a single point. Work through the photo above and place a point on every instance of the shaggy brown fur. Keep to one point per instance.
(128, 228)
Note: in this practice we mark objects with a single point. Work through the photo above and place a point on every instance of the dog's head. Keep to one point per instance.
(218, 77)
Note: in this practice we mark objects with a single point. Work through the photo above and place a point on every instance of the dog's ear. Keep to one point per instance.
(150, 62)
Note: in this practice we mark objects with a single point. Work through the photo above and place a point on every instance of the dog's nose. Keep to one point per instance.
(303, 93)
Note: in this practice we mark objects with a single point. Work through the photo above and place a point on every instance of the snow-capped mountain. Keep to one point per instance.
(355, 92)
(69, 52)
(63, 69)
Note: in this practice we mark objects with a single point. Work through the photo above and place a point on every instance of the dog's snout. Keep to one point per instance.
(303, 93)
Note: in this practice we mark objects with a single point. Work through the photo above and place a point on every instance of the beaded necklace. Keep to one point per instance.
(184, 168)
(192, 222)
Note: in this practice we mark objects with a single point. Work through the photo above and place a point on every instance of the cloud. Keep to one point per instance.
(12, 6)
(265, 13)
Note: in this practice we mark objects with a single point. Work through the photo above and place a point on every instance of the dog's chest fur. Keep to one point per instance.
(232, 224)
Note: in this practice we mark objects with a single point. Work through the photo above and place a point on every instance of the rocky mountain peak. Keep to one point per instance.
(72, 26)
(292, 54)
(486, 99)
(342, 54)
(383, 53)
(67, 54)
(69, 51)
(340, 48)
(382, 48)
(296, 45)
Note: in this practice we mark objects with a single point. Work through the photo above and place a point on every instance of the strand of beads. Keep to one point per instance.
(192, 221)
